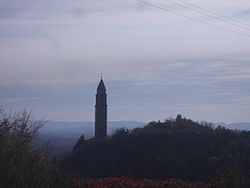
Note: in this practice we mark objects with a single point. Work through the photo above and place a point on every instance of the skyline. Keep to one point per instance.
(155, 64)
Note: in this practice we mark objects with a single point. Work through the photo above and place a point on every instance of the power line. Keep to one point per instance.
(216, 14)
(207, 14)
(191, 18)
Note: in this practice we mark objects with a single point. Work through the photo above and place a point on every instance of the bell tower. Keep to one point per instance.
(101, 111)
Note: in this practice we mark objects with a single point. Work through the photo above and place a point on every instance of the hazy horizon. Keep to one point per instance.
(156, 64)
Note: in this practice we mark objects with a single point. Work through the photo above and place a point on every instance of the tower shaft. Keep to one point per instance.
(101, 112)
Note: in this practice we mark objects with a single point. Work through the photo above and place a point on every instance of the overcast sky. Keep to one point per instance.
(156, 63)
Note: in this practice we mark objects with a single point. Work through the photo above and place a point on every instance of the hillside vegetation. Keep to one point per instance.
(22, 162)
(176, 148)
(175, 153)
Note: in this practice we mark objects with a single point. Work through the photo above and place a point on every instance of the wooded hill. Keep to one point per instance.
(176, 148)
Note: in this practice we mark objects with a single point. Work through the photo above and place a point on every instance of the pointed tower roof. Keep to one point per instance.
(101, 87)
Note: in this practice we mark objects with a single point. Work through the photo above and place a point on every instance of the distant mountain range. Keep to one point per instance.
(238, 126)
(63, 135)
(76, 129)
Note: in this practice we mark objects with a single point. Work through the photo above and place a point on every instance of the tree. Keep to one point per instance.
(79, 144)
(22, 162)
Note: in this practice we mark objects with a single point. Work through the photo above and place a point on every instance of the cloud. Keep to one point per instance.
(154, 63)
(245, 14)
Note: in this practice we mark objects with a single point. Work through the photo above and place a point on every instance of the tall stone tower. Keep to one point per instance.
(101, 112)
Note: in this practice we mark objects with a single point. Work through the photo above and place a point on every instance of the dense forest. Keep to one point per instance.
(176, 148)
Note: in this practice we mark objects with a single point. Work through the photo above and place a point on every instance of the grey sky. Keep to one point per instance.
(155, 64)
